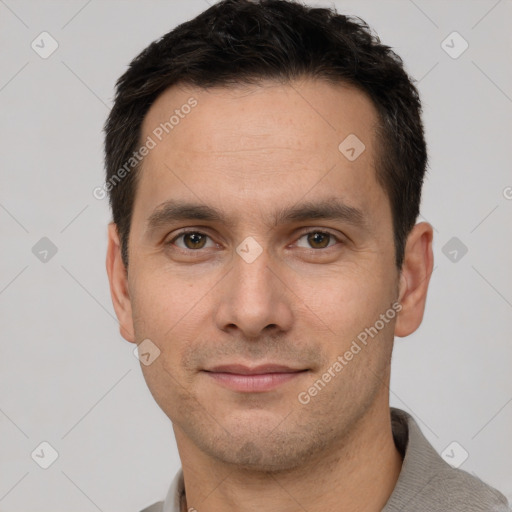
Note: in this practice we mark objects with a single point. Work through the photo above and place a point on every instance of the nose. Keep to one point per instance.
(254, 298)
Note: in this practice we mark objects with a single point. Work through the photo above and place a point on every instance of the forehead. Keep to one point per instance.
(260, 143)
(303, 115)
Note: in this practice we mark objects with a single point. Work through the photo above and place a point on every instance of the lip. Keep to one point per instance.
(255, 379)
(241, 369)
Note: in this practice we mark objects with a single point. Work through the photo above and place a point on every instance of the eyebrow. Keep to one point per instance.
(327, 209)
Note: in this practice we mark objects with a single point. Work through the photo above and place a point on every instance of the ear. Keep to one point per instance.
(414, 279)
(118, 278)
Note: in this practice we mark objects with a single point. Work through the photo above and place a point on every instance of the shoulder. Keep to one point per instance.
(458, 491)
(428, 482)
(156, 507)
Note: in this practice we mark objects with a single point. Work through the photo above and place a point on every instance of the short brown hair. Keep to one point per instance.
(243, 41)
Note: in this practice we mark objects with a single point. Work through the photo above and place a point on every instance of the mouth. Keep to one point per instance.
(253, 379)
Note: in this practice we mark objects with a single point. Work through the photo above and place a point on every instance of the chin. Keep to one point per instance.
(269, 451)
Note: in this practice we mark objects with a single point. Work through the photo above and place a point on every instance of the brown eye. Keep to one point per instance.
(318, 239)
(196, 240)
(192, 240)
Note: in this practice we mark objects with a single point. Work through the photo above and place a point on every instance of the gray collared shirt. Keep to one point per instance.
(426, 483)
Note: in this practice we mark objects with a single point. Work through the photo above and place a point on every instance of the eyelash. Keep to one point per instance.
(196, 232)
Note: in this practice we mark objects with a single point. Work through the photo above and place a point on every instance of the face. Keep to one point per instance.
(281, 258)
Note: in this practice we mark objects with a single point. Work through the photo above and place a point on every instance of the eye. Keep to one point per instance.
(195, 240)
(192, 240)
(319, 239)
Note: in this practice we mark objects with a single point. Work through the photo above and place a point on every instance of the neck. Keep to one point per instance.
(358, 475)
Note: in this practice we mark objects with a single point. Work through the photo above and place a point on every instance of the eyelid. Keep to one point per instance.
(319, 230)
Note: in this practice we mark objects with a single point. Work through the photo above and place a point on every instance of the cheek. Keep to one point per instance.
(164, 304)
(172, 312)
(166, 386)
(166, 312)
(346, 300)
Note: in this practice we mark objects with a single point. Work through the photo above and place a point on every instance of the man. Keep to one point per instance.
(264, 164)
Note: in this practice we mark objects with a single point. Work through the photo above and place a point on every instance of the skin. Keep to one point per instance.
(250, 151)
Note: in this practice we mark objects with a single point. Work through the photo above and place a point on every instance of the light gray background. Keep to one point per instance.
(66, 375)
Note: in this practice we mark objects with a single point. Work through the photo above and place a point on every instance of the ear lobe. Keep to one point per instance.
(414, 279)
(118, 279)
